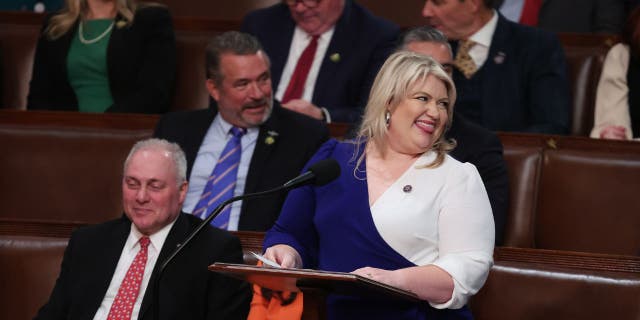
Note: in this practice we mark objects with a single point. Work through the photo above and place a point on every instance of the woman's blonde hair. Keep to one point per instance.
(398, 75)
(62, 22)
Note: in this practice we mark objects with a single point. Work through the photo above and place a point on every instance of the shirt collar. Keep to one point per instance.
(157, 239)
(302, 35)
(485, 34)
(225, 126)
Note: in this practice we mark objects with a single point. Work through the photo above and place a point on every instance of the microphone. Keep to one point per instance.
(319, 174)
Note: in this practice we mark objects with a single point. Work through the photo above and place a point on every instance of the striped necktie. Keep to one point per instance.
(222, 182)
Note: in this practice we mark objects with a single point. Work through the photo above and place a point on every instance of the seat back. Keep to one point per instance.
(523, 155)
(532, 284)
(585, 55)
(17, 48)
(190, 90)
(589, 201)
(63, 173)
(29, 267)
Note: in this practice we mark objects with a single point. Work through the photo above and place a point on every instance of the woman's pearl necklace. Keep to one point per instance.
(96, 39)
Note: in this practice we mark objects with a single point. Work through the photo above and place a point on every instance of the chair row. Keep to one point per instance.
(566, 193)
(573, 193)
(19, 32)
(522, 284)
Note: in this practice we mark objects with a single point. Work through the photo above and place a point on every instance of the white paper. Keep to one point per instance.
(266, 261)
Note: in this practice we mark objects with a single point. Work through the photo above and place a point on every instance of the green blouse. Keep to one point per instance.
(87, 65)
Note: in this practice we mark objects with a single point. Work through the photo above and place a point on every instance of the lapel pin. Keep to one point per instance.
(499, 58)
(335, 57)
(271, 137)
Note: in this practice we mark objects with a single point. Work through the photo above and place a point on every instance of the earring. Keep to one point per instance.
(387, 118)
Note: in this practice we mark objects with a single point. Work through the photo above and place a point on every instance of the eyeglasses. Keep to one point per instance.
(307, 3)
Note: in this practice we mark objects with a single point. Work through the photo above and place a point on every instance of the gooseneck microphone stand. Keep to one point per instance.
(193, 234)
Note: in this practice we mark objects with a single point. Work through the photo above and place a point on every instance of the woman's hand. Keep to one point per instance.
(428, 282)
(613, 132)
(385, 276)
(286, 256)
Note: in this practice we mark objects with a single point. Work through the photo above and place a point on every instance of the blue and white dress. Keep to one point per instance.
(444, 220)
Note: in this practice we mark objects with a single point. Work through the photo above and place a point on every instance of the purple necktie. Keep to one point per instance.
(222, 182)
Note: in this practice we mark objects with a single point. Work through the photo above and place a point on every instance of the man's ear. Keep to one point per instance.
(182, 192)
(213, 89)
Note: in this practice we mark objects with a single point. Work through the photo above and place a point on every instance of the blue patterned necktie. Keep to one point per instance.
(222, 182)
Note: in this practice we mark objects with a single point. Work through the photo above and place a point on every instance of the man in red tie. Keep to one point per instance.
(325, 54)
(109, 269)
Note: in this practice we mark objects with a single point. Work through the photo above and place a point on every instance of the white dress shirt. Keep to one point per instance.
(300, 42)
(129, 252)
(212, 146)
(444, 220)
(482, 38)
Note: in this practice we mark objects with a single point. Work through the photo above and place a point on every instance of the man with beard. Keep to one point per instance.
(246, 143)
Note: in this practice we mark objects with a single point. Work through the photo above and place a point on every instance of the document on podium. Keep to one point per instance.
(295, 280)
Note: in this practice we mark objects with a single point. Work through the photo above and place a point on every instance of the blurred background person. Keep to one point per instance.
(324, 54)
(402, 211)
(617, 112)
(105, 56)
(509, 77)
(584, 16)
(31, 5)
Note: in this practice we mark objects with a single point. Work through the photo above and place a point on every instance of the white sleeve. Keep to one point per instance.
(612, 104)
(466, 232)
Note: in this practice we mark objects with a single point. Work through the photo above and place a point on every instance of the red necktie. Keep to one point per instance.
(530, 12)
(130, 287)
(295, 89)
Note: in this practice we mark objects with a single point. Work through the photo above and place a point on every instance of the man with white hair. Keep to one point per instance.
(109, 269)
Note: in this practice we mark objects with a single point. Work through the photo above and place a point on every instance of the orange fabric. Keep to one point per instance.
(272, 309)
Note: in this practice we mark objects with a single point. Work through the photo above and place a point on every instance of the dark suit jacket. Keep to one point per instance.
(524, 84)
(298, 138)
(187, 289)
(362, 41)
(141, 63)
(582, 16)
(483, 149)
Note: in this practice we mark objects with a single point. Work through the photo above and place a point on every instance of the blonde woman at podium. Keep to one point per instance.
(402, 211)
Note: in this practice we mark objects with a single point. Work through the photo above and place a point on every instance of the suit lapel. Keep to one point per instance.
(105, 264)
(495, 67)
(340, 43)
(279, 46)
(268, 138)
(177, 234)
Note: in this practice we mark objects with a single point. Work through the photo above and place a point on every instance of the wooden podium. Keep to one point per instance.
(315, 284)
